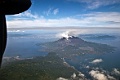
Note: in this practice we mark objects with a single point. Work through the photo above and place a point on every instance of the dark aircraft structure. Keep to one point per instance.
(9, 7)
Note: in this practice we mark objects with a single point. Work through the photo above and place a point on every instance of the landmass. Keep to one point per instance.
(50, 67)
(74, 46)
(99, 37)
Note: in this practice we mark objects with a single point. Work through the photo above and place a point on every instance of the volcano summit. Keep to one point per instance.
(73, 46)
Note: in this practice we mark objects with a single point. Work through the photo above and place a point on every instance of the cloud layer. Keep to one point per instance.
(93, 4)
(96, 19)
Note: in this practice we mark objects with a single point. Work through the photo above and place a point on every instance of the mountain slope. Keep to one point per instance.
(74, 46)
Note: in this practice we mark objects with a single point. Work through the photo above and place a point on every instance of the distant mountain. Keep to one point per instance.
(73, 46)
(99, 37)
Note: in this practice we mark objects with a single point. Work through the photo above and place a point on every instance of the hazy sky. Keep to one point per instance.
(68, 13)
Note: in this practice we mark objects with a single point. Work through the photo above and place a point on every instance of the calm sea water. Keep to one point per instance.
(24, 43)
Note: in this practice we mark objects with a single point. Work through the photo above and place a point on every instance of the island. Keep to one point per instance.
(74, 46)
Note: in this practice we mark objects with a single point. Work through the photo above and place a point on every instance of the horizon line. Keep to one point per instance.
(66, 28)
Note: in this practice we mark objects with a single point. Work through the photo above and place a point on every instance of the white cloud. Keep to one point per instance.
(111, 77)
(61, 78)
(98, 19)
(73, 76)
(116, 71)
(97, 75)
(87, 67)
(48, 12)
(103, 16)
(93, 4)
(55, 11)
(15, 31)
(51, 11)
(81, 75)
(96, 61)
(100, 74)
(27, 14)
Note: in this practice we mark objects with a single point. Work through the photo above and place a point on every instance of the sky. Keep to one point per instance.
(68, 13)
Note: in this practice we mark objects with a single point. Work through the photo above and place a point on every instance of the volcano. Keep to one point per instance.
(73, 46)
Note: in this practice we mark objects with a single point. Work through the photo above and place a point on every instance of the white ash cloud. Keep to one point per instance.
(70, 33)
